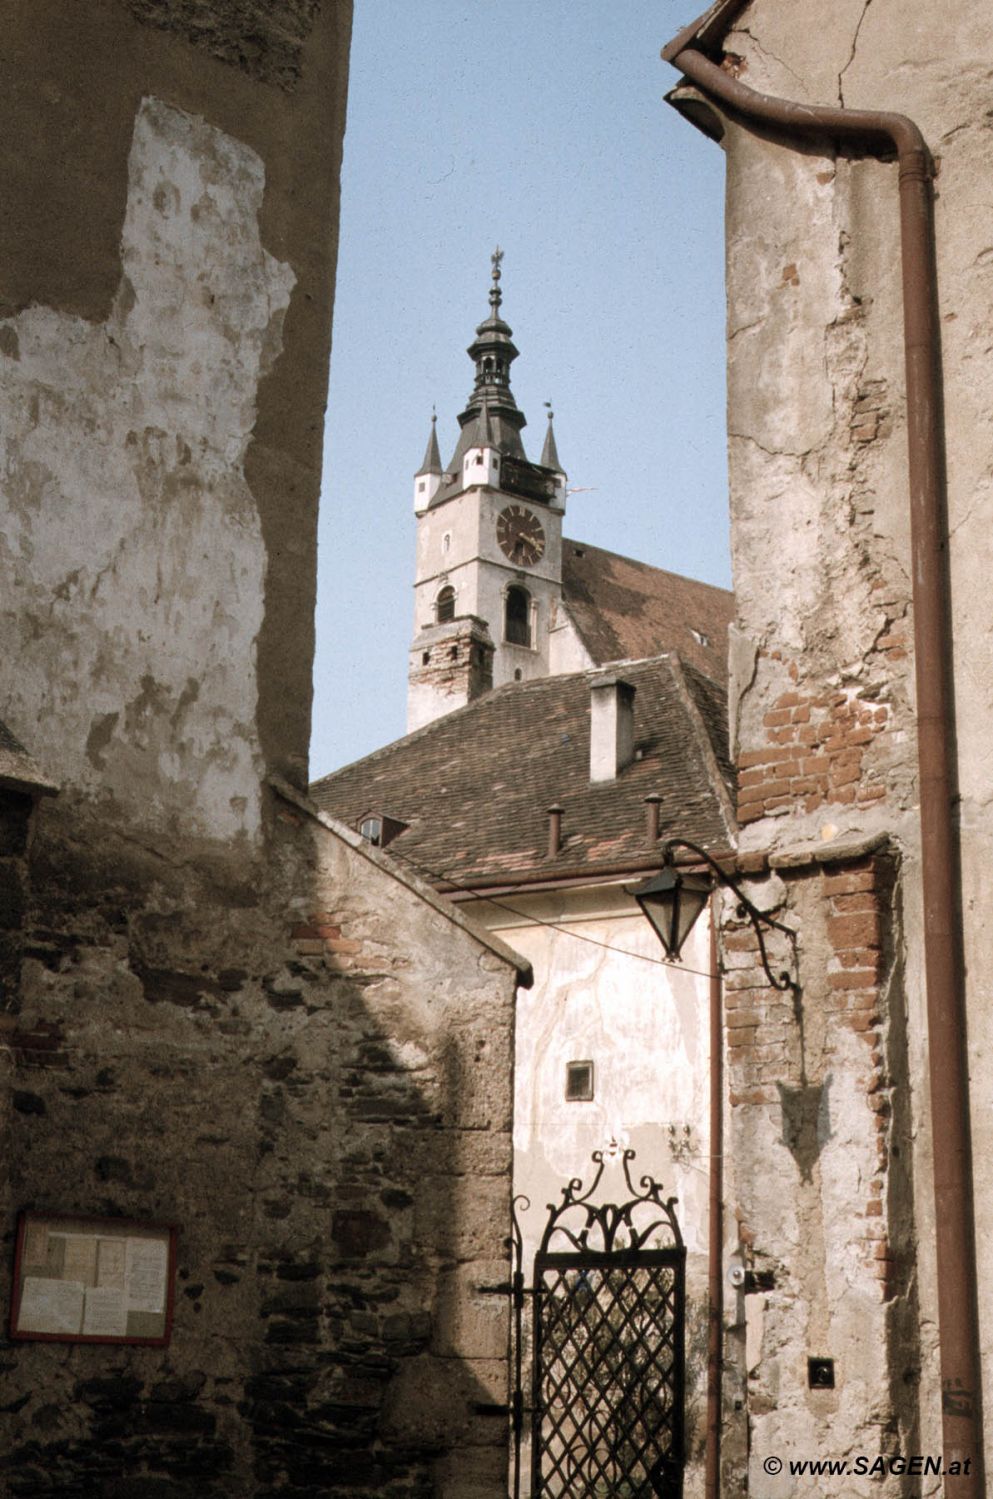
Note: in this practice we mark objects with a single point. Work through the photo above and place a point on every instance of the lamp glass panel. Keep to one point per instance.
(693, 896)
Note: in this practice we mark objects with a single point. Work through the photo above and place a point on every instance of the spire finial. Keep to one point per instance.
(496, 297)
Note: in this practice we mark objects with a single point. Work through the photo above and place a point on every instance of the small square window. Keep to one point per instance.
(578, 1082)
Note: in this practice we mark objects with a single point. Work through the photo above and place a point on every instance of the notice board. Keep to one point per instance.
(93, 1280)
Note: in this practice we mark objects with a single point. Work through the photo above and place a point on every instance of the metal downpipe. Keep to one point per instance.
(943, 959)
(715, 1226)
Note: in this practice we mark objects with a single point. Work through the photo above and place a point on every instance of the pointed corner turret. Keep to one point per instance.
(550, 458)
(430, 474)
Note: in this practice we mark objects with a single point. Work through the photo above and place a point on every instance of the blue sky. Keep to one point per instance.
(538, 125)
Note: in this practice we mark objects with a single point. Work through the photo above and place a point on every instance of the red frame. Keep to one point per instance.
(171, 1230)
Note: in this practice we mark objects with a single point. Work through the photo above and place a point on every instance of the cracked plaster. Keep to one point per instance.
(821, 527)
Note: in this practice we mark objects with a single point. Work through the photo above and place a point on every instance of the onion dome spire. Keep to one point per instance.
(493, 352)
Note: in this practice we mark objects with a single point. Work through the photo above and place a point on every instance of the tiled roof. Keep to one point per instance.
(475, 786)
(626, 610)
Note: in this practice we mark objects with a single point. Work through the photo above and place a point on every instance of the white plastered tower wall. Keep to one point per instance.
(457, 549)
(821, 555)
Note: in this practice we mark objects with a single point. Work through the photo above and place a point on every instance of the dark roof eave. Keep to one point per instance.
(475, 886)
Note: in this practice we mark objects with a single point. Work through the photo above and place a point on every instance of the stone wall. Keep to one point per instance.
(312, 1079)
(226, 1013)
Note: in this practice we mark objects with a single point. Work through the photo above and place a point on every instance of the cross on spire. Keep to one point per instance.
(495, 294)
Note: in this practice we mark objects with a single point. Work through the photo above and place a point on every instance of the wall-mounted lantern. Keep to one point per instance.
(673, 899)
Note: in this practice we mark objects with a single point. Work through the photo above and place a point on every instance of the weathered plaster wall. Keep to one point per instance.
(249, 193)
(821, 1197)
(123, 451)
(822, 658)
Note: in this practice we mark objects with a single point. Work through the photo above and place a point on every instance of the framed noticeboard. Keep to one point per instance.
(93, 1280)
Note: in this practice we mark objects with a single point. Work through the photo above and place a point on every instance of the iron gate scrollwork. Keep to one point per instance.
(607, 1345)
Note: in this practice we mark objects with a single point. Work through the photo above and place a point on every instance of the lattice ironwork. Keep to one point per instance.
(608, 1332)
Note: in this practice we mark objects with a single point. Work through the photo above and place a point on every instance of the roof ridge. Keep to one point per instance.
(504, 690)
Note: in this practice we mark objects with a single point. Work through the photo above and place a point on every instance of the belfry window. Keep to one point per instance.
(445, 605)
(517, 617)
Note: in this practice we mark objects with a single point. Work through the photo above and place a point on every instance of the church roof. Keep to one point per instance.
(474, 787)
(625, 609)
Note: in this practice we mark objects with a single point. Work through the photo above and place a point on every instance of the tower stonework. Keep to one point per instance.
(489, 544)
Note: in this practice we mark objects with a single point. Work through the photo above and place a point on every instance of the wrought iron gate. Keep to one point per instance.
(606, 1345)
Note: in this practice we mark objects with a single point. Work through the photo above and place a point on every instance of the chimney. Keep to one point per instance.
(611, 727)
(554, 830)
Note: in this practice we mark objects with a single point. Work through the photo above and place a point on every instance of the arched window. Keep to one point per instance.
(445, 605)
(517, 617)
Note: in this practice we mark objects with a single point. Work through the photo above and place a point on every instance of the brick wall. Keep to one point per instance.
(816, 749)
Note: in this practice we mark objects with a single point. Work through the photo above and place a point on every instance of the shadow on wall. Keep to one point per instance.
(306, 1066)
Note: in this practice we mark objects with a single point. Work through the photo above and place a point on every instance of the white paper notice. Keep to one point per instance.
(110, 1262)
(50, 1305)
(105, 1314)
(145, 1276)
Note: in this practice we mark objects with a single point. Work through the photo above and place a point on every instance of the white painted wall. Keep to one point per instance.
(602, 993)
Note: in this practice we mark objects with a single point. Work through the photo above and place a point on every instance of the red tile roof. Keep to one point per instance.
(474, 787)
(626, 610)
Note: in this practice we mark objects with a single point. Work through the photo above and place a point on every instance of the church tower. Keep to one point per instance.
(489, 543)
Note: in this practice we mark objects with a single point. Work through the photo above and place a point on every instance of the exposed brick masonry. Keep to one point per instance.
(815, 750)
(765, 1033)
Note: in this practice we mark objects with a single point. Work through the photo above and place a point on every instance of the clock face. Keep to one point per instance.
(520, 536)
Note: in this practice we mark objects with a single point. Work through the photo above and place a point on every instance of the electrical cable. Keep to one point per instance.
(434, 877)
